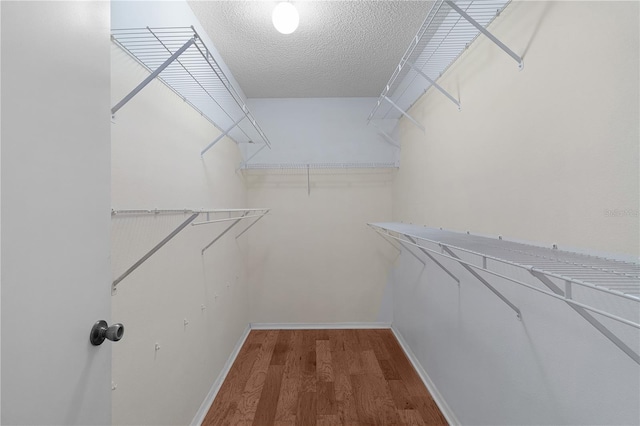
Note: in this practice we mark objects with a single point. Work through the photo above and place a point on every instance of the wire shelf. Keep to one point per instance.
(587, 284)
(305, 166)
(194, 75)
(441, 39)
(608, 275)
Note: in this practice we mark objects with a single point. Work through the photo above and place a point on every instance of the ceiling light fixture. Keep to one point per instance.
(285, 17)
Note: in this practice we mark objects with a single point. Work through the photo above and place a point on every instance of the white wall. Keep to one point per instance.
(314, 259)
(540, 155)
(156, 143)
(55, 212)
(320, 130)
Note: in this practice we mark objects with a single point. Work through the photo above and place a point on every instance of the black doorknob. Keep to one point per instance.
(101, 331)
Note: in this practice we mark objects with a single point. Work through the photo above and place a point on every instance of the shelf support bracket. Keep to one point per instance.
(252, 223)
(436, 85)
(225, 231)
(406, 247)
(244, 163)
(484, 31)
(387, 239)
(483, 281)
(433, 259)
(151, 76)
(587, 316)
(153, 250)
(391, 141)
(413, 120)
(221, 135)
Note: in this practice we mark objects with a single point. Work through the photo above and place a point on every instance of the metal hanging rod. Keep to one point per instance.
(178, 57)
(502, 251)
(448, 29)
(193, 214)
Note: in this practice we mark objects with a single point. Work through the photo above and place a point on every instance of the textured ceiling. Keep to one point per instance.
(341, 48)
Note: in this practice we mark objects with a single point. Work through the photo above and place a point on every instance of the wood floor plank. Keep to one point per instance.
(287, 406)
(281, 348)
(373, 400)
(388, 370)
(370, 363)
(225, 403)
(410, 418)
(307, 415)
(429, 411)
(400, 395)
(266, 410)
(323, 377)
(323, 361)
(345, 405)
(248, 402)
(336, 340)
(328, 420)
(326, 398)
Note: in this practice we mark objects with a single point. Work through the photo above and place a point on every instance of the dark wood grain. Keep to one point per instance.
(323, 377)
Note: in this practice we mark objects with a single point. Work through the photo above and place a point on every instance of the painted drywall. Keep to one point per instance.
(55, 212)
(314, 260)
(321, 130)
(547, 154)
(156, 143)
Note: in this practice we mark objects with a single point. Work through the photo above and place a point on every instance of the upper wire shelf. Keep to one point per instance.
(444, 35)
(189, 69)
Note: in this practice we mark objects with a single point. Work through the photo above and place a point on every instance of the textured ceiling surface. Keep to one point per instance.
(340, 49)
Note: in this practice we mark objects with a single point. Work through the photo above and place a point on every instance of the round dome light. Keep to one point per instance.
(285, 17)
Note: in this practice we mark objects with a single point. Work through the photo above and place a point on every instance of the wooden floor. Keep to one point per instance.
(322, 377)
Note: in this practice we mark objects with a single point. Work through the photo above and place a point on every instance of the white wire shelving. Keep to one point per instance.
(449, 28)
(306, 168)
(563, 275)
(313, 166)
(178, 57)
(234, 216)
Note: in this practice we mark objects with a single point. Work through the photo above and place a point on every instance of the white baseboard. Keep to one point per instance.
(206, 404)
(316, 326)
(431, 387)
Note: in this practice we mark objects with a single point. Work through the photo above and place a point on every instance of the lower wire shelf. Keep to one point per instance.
(564, 275)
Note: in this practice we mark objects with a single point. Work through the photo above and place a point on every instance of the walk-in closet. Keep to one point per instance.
(310, 212)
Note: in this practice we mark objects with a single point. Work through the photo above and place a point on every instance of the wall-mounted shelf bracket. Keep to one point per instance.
(152, 76)
(252, 223)
(434, 260)
(483, 281)
(484, 31)
(586, 315)
(153, 250)
(222, 135)
(387, 138)
(390, 241)
(245, 215)
(403, 112)
(436, 85)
